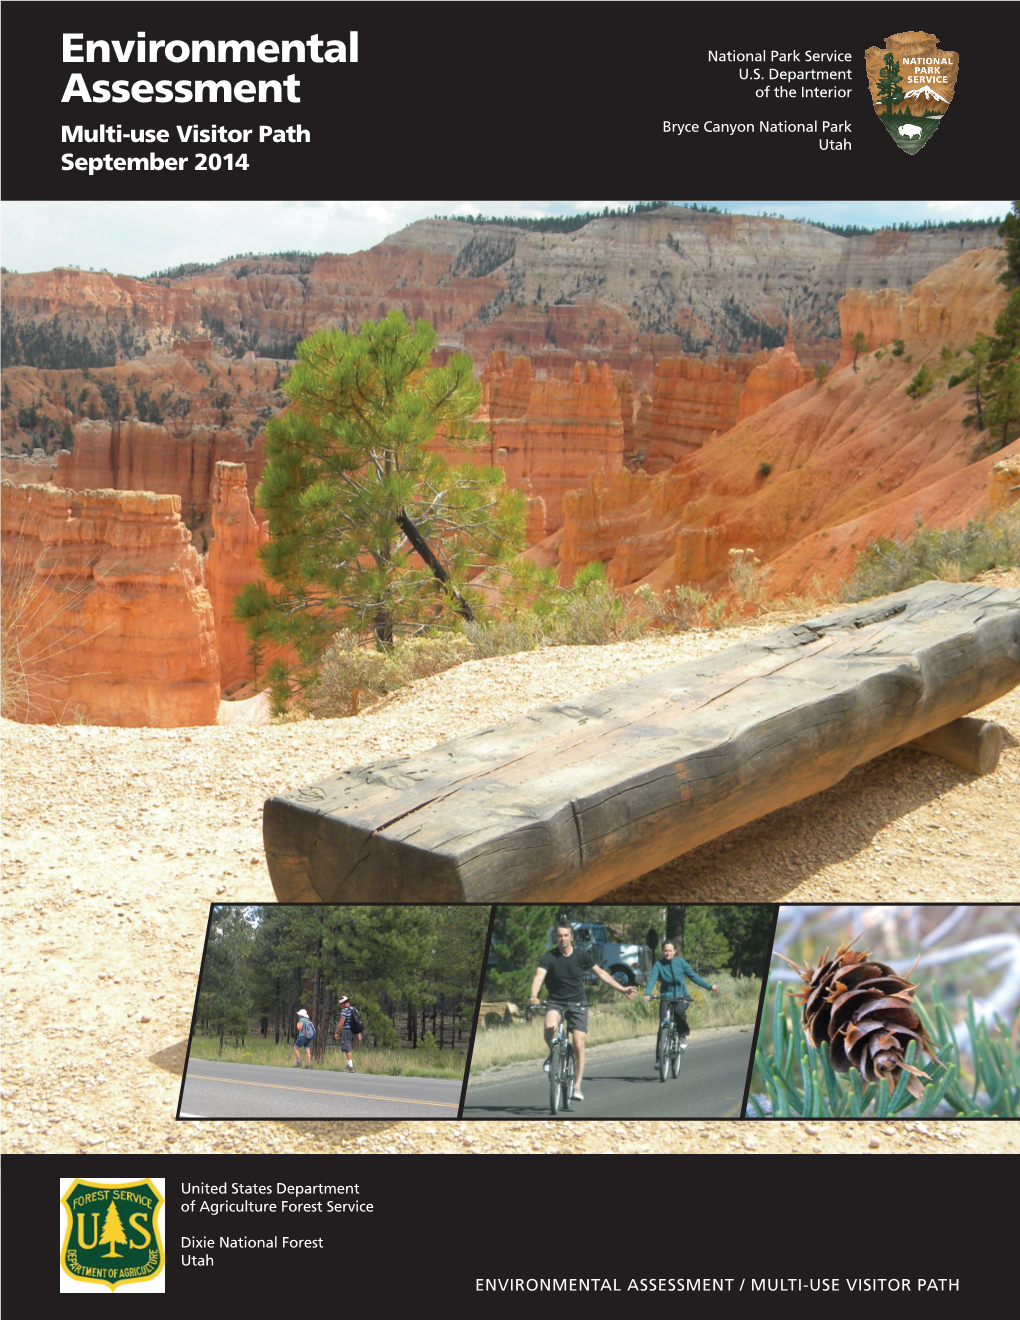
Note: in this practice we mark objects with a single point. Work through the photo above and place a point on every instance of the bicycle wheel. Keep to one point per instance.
(556, 1077)
(662, 1050)
(676, 1055)
(569, 1070)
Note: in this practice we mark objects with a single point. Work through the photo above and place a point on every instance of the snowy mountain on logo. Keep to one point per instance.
(925, 91)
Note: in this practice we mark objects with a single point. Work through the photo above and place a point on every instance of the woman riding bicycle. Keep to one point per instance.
(671, 971)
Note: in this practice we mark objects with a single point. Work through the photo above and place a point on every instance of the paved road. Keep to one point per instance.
(619, 1083)
(246, 1090)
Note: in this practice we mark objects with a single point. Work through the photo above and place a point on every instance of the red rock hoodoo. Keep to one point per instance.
(231, 563)
(141, 456)
(692, 399)
(105, 609)
(548, 434)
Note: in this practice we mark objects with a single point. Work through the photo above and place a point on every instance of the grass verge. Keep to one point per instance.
(387, 1063)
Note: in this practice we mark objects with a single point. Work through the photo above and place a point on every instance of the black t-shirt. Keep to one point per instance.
(564, 976)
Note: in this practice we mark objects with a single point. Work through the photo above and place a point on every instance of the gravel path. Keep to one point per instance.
(115, 842)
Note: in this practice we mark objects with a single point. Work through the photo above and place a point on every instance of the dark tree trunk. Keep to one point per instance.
(424, 550)
(383, 627)
(676, 915)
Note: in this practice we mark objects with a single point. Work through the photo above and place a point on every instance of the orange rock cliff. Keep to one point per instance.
(808, 480)
(627, 450)
(105, 610)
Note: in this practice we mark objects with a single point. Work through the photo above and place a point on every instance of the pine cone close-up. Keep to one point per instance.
(864, 1012)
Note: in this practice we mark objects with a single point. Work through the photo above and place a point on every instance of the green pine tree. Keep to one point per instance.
(890, 88)
(748, 931)
(975, 373)
(224, 1003)
(520, 936)
(705, 946)
(1009, 232)
(370, 529)
(1002, 411)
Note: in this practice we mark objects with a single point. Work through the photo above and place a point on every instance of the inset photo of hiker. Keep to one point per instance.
(898, 1010)
(333, 1012)
(606, 1011)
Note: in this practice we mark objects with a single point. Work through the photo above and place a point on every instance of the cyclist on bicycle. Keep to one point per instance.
(562, 970)
(671, 970)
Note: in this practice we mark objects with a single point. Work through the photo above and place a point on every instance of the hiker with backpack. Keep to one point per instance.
(305, 1036)
(349, 1026)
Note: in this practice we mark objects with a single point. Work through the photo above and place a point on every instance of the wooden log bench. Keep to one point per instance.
(576, 798)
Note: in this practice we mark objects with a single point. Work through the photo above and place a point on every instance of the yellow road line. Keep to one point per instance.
(318, 1090)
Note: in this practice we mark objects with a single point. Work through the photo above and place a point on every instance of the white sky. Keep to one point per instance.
(137, 238)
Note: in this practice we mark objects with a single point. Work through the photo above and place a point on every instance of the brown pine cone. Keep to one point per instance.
(864, 1012)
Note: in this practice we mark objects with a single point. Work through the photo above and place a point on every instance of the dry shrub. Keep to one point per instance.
(949, 570)
(351, 674)
(816, 597)
(594, 617)
(749, 576)
(678, 609)
(591, 612)
(494, 636)
(421, 657)
(348, 672)
(951, 554)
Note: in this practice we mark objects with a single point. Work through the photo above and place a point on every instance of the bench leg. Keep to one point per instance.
(972, 743)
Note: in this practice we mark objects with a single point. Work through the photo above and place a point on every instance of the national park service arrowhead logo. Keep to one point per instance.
(912, 84)
(112, 1236)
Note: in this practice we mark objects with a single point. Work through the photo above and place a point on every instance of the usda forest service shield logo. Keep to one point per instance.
(112, 1237)
(912, 84)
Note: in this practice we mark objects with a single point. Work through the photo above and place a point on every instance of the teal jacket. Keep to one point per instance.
(672, 976)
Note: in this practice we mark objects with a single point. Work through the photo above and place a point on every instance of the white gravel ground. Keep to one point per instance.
(115, 842)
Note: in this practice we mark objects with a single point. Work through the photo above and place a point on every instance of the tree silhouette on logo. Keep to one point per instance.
(113, 1231)
(890, 89)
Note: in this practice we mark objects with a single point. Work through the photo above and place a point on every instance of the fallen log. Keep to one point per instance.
(574, 799)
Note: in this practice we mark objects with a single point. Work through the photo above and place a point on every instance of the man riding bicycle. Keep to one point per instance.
(562, 970)
(671, 970)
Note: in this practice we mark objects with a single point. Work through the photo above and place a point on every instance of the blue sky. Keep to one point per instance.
(136, 238)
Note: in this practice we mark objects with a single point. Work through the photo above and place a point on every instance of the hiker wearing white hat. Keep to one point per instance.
(305, 1036)
(345, 1029)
